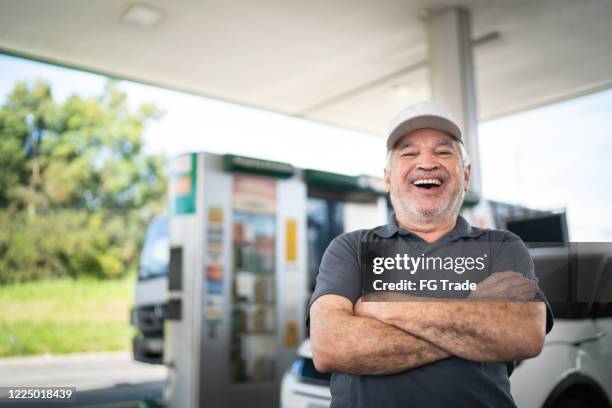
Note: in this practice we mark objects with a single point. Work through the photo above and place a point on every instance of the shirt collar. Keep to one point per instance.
(462, 229)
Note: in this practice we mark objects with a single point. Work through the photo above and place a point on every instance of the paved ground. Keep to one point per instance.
(100, 378)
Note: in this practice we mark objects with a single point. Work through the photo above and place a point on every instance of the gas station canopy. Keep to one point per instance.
(350, 63)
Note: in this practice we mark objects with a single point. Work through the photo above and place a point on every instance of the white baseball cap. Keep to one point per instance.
(423, 115)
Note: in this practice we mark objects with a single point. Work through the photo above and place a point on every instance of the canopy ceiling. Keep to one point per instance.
(346, 62)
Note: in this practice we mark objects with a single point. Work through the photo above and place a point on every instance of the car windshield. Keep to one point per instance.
(155, 251)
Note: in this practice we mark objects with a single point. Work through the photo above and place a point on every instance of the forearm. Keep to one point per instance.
(342, 342)
(493, 331)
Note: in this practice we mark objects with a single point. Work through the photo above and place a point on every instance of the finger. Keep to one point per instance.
(506, 275)
(511, 281)
(507, 287)
(501, 276)
(506, 282)
(519, 281)
(523, 284)
(524, 291)
(522, 297)
(518, 287)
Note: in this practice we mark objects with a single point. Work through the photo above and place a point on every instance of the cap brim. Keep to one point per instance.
(423, 122)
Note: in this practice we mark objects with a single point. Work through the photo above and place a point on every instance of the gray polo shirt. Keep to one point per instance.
(451, 382)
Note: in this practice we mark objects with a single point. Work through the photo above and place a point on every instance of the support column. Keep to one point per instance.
(451, 77)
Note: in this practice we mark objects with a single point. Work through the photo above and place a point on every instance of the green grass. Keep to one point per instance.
(65, 316)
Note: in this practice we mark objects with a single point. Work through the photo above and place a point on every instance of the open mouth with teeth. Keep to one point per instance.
(430, 183)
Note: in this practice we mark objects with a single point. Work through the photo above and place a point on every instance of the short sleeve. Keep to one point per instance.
(513, 255)
(339, 273)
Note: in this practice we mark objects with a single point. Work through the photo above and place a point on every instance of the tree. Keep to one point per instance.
(81, 154)
(76, 189)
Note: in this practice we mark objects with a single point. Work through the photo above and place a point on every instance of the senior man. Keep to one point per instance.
(425, 353)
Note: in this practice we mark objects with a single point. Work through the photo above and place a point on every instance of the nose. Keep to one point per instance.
(427, 161)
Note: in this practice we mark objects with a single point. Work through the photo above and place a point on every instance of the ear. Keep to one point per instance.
(387, 180)
(467, 172)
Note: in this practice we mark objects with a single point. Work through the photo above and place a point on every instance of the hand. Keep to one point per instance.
(505, 286)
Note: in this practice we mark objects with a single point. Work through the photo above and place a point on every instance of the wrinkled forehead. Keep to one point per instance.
(425, 138)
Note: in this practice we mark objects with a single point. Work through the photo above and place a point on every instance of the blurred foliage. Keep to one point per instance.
(76, 189)
(83, 153)
(68, 243)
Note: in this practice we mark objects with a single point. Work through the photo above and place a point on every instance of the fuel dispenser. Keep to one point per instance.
(246, 236)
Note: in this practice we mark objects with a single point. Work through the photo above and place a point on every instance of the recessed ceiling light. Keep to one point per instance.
(143, 14)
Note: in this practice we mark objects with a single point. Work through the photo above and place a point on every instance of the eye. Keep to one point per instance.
(445, 153)
(408, 154)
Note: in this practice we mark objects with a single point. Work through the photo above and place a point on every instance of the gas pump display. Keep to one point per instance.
(253, 331)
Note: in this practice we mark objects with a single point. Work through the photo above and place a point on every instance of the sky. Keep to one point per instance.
(554, 157)
(192, 123)
(557, 156)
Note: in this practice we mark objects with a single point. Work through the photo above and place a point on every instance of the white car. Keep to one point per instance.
(303, 386)
(574, 369)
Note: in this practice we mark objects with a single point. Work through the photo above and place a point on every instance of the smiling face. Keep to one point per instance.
(426, 177)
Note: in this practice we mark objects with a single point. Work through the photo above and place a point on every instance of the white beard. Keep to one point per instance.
(446, 211)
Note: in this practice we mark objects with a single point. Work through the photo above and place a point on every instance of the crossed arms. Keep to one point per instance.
(377, 338)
